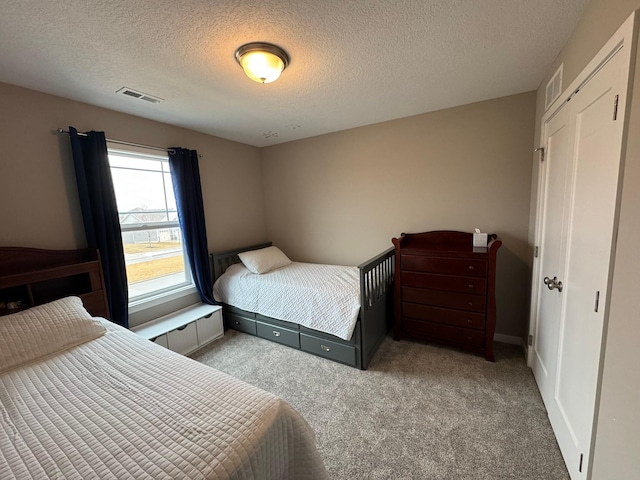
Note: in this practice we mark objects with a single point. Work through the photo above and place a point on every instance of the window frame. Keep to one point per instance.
(172, 292)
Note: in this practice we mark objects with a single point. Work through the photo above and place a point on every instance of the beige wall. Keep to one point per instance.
(617, 440)
(336, 198)
(38, 199)
(341, 197)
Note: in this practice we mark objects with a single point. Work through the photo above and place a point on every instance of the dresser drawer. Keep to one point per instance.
(326, 348)
(278, 334)
(240, 323)
(455, 266)
(436, 331)
(450, 283)
(460, 301)
(444, 315)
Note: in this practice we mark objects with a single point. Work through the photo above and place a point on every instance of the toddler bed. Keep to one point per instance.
(340, 313)
(83, 398)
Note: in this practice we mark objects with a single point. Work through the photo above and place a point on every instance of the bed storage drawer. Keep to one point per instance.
(240, 323)
(339, 352)
(276, 322)
(278, 334)
(238, 311)
(316, 333)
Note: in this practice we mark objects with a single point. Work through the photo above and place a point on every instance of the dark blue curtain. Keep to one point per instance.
(185, 176)
(100, 216)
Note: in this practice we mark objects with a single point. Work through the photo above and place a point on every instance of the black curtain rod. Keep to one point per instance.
(120, 142)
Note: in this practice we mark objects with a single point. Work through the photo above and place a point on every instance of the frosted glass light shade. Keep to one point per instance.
(262, 62)
(262, 67)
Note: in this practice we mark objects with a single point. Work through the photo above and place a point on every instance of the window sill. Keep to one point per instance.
(154, 301)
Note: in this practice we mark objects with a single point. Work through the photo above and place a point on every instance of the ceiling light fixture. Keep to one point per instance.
(262, 62)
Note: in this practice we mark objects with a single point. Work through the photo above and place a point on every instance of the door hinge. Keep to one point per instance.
(530, 340)
(535, 252)
(541, 150)
(615, 107)
(597, 300)
(580, 466)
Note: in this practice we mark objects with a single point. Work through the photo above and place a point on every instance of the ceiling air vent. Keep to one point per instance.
(554, 88)
(130, 92)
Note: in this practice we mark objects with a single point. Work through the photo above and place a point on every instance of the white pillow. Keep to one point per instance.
(40, 331)
(264, 260)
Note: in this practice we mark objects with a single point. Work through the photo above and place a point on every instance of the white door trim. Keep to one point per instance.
(622, 39)
(622, 43)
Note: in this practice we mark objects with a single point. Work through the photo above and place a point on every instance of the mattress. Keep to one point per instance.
(123, 407)
(321, 297)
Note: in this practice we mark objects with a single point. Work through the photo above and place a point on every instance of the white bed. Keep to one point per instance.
(113, 405)
(321, 297)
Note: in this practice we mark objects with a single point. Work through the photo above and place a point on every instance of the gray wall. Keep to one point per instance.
(617, 440)
(341, 197)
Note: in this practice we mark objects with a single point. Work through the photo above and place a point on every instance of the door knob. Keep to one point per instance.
(552, 283)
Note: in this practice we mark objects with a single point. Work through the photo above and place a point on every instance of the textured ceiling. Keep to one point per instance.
(353, 63)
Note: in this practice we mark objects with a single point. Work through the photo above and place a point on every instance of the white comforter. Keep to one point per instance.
(321, 297)
(122, 407)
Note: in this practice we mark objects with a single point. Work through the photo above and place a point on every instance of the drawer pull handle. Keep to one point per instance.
(471, 267)
(236, 322)
(468, 337)
(325, 348)
(469, 320)
(276, 333)
(182, 327)
(471, 285)
(470, 304)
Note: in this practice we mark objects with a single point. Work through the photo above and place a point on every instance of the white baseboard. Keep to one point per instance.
(512, 339)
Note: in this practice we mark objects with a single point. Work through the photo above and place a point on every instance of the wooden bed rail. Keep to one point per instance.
(376, 275)
(376, 302)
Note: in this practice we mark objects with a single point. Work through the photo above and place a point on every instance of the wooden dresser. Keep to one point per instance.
(445, 290)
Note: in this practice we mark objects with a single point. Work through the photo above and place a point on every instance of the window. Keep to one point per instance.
(151, 235)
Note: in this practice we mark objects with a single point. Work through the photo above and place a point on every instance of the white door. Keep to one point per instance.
(557, 170)
(578, 221)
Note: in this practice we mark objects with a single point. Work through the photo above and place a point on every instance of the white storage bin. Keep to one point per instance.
(185, 330)
(210, 328)
(162, 340)
(183, 340)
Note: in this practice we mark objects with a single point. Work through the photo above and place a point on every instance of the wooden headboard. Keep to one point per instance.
(32, 276)
(220, 261)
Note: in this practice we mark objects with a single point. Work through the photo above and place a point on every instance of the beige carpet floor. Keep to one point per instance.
(419, 411)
